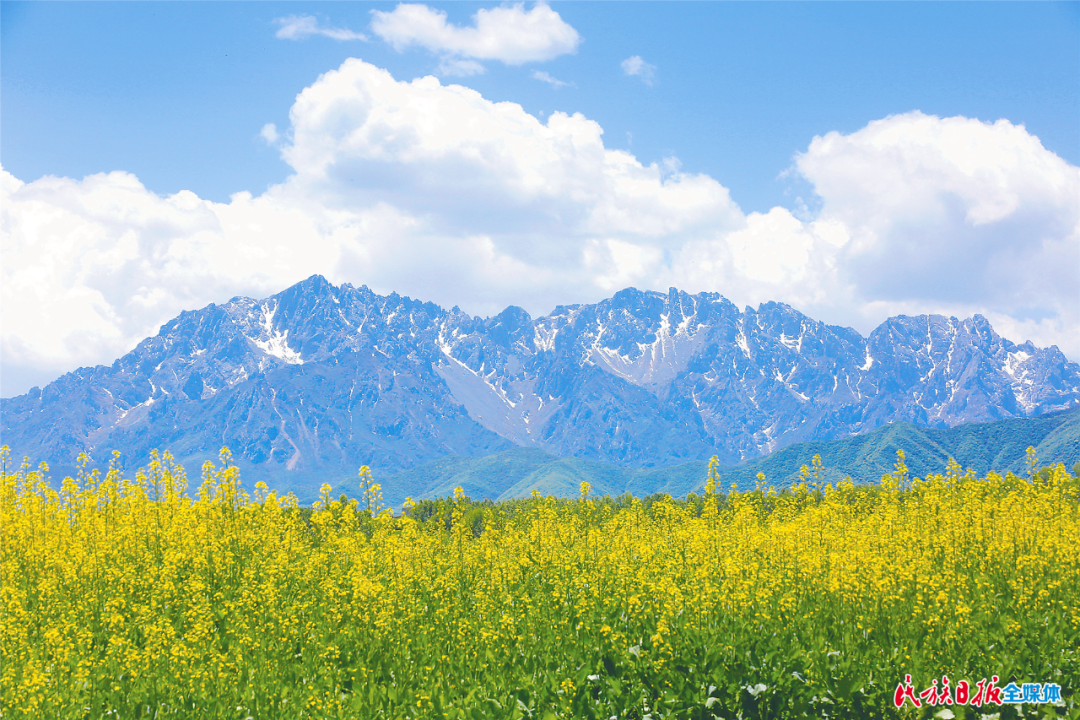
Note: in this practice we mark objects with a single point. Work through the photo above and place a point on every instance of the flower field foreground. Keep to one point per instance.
(128, 597)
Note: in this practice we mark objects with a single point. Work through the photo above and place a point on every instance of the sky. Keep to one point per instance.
(854, 160)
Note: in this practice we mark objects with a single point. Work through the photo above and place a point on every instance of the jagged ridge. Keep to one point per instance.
(312, 382)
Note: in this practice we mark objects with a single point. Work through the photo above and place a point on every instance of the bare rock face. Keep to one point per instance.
(317, 380)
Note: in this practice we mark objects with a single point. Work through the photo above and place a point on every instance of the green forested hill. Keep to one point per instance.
(999, 446)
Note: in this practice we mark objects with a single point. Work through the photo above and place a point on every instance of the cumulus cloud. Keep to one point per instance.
(952, 212)
(509, 34)
(298, 27)
(434, 191)
(434, 150)
(635, 66)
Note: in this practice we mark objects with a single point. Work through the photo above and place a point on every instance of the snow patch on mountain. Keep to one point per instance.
(1013, 362)
(544, 337)
(276, 342)
(655, 362)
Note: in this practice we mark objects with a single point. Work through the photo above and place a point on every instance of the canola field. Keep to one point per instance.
(147, 597)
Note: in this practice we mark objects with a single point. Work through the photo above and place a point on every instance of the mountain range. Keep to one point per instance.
(307, 385)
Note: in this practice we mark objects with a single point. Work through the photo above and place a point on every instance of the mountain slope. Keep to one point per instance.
(999, 446)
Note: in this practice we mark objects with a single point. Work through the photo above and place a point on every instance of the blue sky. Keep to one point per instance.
(176, 93)
(949, 135)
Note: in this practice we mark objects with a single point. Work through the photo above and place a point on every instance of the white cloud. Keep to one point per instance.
(456, 67)
(508, 34)
(436, 192)
(635, 66)
(952, 212)
(298, 27)
(433, 150)
(547, 78)
(269, 134)
(771, 256)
